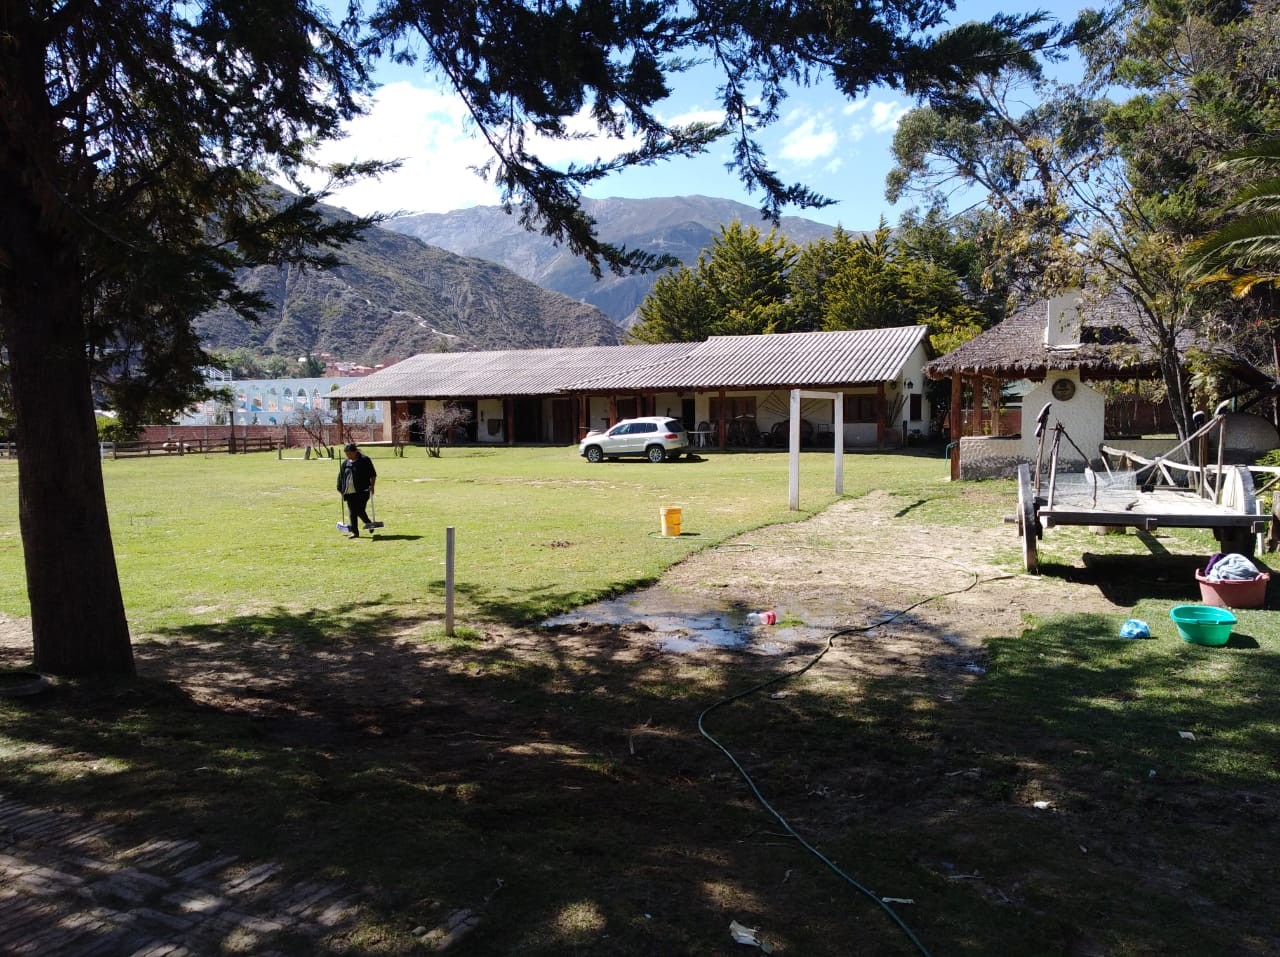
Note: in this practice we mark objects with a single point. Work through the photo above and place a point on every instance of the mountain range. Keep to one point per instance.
(393, 297)
(473, 279)
(681, 226)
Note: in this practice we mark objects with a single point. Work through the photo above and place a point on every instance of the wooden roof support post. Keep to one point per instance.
(979, 405)
(722, 428)
(995, 405)
(881, 409)
(956, 383)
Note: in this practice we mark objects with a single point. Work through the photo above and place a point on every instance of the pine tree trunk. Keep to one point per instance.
(77, 613)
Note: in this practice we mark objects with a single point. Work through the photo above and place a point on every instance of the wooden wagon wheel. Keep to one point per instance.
(1028, 522)
(1238, 494)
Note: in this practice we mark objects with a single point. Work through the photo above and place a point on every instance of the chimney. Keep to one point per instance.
(1062, 325)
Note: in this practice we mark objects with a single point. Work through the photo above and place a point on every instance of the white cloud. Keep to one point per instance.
(427, 130)
(811, 138)
(874, 117)
(696, 116)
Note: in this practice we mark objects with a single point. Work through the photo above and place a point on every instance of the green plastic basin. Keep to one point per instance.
(1203, 624)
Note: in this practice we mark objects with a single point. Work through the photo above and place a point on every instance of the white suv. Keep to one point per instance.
(656, 437)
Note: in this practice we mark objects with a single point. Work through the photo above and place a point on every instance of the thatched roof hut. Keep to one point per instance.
(1062, 343)
(1110, 346)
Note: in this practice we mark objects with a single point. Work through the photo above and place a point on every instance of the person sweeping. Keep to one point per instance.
(356, 479)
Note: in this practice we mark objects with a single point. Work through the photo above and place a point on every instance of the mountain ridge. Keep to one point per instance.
(681, 226)
(393, 296)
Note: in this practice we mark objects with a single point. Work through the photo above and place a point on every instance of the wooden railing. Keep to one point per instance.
(230, 444)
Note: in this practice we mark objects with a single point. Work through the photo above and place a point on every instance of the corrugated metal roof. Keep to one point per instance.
(459, 375)
(722, 362)
(778, 360)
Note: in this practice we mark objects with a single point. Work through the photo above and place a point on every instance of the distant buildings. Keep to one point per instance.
(340, 368)
(280, 402)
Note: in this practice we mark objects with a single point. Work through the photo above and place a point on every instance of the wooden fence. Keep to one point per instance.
(230, 444)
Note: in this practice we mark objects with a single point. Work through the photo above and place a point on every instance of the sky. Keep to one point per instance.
(836, 146)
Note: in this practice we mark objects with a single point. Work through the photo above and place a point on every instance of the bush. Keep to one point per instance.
(111, 430)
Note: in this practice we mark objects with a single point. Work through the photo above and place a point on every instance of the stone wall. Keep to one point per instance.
(984, 457)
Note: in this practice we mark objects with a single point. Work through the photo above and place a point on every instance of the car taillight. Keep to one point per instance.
(671, 435)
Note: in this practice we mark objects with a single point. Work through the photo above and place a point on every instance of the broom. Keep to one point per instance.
(342, 526)
(373, 522)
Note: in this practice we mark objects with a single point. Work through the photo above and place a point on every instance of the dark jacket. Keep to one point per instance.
(362, 472)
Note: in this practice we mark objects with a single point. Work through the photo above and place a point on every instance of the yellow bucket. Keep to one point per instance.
(670, 520)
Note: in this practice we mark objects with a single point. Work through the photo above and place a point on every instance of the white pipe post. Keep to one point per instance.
(793, 483)
(448, 581)
(839, 442)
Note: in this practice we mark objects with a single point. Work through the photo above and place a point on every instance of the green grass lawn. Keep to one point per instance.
(537, 530)
(560, 785)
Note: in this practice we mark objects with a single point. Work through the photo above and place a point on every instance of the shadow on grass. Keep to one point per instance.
(1241, 641)
(558, 776)
(527, 607)
(1063, 783)
(1124, 580)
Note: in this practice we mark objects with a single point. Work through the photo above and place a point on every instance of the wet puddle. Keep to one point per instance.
(682, 623)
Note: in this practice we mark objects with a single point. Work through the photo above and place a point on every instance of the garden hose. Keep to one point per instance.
(787, 676)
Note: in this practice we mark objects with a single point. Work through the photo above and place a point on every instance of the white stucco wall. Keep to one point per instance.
(1083, 416)
(488, 411)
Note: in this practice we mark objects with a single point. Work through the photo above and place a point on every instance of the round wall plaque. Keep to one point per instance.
(1063, 389)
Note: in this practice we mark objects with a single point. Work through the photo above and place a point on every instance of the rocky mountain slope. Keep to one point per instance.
(394, 296)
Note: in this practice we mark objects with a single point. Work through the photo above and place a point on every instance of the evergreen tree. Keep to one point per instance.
(135, 144)
(677, 309)
(534, 65)
(739, 287)
(877, 281)
(745, 275)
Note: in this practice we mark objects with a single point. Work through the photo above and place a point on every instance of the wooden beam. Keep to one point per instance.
(881, 409)
(721, 426)
(979, 404)
(956, 383)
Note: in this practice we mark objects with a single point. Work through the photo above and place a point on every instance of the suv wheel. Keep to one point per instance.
(594, 454)
(656, 453)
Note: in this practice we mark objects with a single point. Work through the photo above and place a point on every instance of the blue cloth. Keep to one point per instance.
(1134, 628)
(1232, 567)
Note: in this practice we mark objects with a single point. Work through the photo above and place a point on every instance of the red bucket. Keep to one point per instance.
(1234, 593)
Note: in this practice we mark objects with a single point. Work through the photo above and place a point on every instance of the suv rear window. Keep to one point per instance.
(673, 425)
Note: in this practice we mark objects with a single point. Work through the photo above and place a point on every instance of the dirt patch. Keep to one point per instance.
(859, 558)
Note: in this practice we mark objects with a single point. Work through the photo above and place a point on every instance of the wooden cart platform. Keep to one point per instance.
(1209, 495)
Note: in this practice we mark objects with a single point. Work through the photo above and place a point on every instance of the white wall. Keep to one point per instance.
(489, 410)
(1083, 416)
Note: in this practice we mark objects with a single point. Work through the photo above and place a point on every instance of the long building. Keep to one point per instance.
(729, 390)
